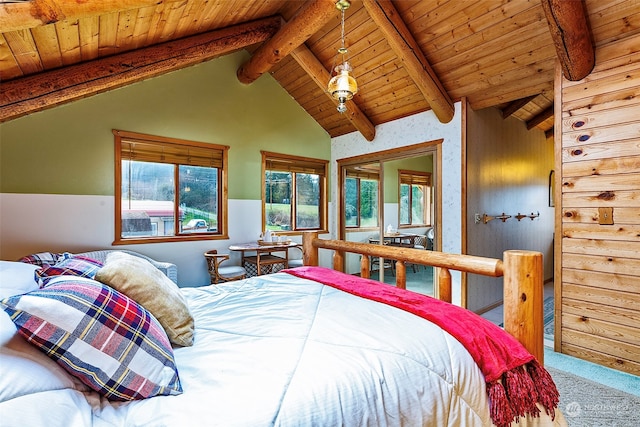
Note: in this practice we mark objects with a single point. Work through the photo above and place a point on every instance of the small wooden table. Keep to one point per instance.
(396, 239)
(263, 262)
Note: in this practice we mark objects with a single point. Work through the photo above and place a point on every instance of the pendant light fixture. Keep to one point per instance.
(342, 85)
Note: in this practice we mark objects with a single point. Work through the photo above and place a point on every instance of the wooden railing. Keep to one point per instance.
(522, 273)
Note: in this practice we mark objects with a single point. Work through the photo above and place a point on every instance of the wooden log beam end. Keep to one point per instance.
(568, 24)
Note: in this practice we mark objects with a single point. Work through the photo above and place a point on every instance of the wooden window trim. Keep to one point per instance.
(220, 161)
(409, 177)
(296, 164)
(359, 176)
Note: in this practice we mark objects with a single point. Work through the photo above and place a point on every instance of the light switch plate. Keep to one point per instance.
(605, 216)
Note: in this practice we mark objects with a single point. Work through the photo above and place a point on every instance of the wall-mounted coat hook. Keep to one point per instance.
(534, 216)
(486, 218)
(503, 217)
(520, 216)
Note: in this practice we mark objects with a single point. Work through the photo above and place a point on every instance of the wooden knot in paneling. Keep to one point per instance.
(607, 195)
(576, 152)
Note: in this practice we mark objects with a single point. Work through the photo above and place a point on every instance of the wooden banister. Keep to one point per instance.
(522, 271)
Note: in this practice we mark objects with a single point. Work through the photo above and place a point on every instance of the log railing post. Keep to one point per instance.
(401, 275)
(365, 266)
(309, 252)
(444, 284)
(338, 261)
(523, 299)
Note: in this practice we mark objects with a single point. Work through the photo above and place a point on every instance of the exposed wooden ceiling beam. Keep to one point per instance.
(402, 42)
(548, 133)
(49, 89)
(568, 24)
(539, 118)
(307, 21)
(18, 16)
(307, 60)
(516, 105)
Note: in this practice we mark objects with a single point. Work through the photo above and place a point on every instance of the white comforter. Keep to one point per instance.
(279, 350)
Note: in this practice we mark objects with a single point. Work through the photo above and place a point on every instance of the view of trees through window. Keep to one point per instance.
(149, 199)
(415, 198)
(361, 202)
(412, 209)
(284, 212)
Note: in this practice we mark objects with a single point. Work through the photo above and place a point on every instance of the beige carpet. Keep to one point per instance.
(586, 403)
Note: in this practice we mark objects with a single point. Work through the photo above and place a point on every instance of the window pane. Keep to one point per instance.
(351, 202)
(307, 201)
(417, 205)
(368, 203)
(278, 200)
(404, 204)
(148, 199)
(198, 199)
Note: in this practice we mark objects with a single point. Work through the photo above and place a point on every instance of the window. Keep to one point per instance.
(168, 189)
(361, 198)
(415, 197)
(294, 193)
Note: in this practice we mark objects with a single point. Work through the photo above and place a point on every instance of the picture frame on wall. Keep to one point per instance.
(552, 176)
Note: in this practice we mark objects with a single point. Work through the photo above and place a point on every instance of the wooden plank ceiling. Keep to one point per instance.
(496, 53)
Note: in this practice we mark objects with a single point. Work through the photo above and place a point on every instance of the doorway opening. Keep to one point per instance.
(395, 194)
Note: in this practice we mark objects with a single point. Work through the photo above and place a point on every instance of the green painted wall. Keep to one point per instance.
(420, 164)
(69, 149)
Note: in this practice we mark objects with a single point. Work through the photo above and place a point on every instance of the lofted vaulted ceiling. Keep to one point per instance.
(408, 55)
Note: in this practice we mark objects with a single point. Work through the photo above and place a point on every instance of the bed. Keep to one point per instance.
(302, 347)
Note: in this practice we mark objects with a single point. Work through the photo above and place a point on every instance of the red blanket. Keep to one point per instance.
(515, 380)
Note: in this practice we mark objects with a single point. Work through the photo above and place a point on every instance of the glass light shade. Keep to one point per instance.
(343, 86)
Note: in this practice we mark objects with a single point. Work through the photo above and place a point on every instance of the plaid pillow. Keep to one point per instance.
(70, 266)
(100, 336)
(42, 258)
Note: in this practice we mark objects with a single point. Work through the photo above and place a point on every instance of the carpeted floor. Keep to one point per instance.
(586, 403)
(420, 280)
(548, 318)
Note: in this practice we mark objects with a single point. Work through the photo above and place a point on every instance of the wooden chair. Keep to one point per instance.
(222, 274)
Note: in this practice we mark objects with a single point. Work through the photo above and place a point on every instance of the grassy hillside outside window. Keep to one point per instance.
(293, 193)
(168, 189)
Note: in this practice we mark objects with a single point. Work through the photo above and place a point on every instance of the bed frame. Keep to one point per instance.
(522, 272)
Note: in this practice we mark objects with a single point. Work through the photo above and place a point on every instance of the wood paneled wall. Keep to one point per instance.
(599, 264)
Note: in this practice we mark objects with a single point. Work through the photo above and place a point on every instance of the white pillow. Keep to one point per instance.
(17, 278)
(24, 369)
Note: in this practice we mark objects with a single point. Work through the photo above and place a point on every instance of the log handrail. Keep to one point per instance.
(522, 271)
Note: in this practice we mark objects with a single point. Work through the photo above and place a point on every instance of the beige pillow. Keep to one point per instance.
(141, 281)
